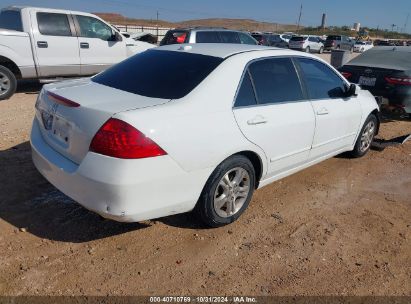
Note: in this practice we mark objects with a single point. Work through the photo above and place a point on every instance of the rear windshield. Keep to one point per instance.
(298, 38)
(11, 20)
(385, 57)
(334, 37)
(174, 37)
(159, 74)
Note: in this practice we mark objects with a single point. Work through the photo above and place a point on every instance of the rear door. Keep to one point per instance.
(99, 47)
(337, 117)
(55, 44)
(273, 113)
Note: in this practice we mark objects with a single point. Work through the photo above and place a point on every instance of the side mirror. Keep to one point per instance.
(116, 36)
(351, 90)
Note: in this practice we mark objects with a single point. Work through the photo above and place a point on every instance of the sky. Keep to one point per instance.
(371, 13)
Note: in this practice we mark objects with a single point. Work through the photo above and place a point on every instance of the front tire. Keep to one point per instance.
(8, 83)
(227, 193)
(321, 50)
(307, 49)
(364, 140)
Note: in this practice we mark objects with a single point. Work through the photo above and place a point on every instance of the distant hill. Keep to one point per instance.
(240, 24)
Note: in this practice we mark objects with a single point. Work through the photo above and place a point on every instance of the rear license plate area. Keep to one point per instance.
(367, 81)
(61, 129)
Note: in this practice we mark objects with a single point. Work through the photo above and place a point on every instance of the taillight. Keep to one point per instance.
(117, 138)
(399, 80)
(346, 75)
(181, 38)
(62, 101)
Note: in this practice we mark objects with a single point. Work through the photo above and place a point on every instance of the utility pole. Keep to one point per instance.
(406, 22)
(392, 27)
(299, 17)
(157, 24)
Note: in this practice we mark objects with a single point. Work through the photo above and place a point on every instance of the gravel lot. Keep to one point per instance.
(341, 227)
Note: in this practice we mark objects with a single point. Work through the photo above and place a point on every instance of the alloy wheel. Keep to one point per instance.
(367, 136)
(4, 84)
(232, 192)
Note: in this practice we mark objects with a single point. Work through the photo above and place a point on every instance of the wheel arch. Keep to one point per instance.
(257, 163)
(376, 113)
(8, 63)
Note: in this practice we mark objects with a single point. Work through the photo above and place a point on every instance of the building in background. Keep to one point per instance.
(357, 26)
(323, 21)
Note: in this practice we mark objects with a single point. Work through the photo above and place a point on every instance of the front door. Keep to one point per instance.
(100, 48)
(272, 112)
(338, 117)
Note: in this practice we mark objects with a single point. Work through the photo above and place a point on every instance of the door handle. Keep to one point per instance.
(42, 44)
(84, 45)
(322, 111)
(258, 120)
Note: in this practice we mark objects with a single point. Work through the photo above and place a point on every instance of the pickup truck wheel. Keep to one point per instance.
(8, 83)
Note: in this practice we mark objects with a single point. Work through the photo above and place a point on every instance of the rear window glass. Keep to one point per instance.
(11, 20)
(334, 38)
(385, 57)
(159, 74)
(207, 37)
(229, 37)
(298, 38)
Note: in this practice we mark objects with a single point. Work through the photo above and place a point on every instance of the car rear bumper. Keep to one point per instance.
(122, 190)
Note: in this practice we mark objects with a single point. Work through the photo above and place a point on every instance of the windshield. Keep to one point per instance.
(298, 38)
(159, 74)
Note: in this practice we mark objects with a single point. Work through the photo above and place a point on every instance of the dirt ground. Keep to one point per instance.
(339, 228)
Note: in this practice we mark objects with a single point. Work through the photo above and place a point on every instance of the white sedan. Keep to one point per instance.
(362, 46)
(195, 127)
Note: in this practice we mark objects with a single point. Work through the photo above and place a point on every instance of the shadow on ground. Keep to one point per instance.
(28, 201)
(29, 86)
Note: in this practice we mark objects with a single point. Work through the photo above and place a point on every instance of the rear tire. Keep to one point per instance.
(321, 50)
(366, 136)
(227, 193)
(8, 83)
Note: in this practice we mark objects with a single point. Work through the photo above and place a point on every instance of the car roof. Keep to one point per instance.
(386, 57)
(47, 10)
(222, 50)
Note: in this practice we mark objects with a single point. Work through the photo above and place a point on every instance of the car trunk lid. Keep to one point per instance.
(71, 112)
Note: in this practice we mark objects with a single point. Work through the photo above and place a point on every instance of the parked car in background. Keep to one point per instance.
(40, 43)
(362, 46)
(206, 35)
(135, 142)
(145, 37)
(286, 37)
(274, 40)
(386, 72)
(307, 44)
(339, 42)
(384, 43)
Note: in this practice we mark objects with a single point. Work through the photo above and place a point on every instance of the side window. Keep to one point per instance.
(207, 37)
(275, 80)
(93, 28)
(312, 39)
(52, 24)
(246, 39)
(321, 81)
(229, 37)
(11, 20)
(245, 96)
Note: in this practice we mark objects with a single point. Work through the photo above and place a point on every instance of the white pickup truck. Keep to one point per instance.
(45, 44)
